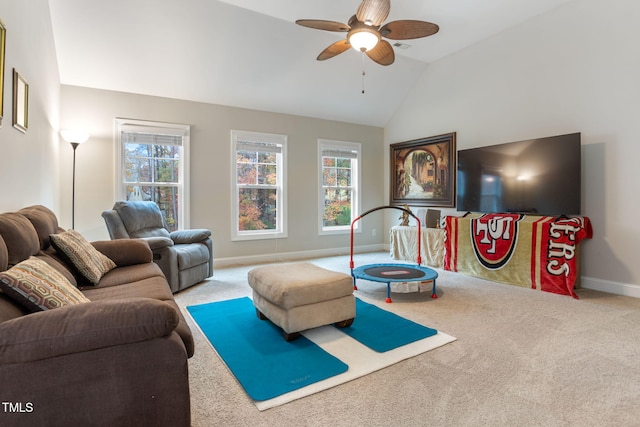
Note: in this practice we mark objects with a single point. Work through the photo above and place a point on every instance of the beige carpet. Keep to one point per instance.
(522, 358)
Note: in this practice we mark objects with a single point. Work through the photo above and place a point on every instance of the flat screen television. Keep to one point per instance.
(538, 176)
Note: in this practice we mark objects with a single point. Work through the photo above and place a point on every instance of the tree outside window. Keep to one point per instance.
(153, 161)
(339, 182)
(258, 185)
(257, 182)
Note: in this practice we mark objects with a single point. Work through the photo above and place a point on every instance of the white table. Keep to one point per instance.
(404, 245)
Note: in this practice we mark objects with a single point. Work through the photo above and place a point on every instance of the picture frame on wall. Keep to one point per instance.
(3, 38)
(20, 102)
(423, 171)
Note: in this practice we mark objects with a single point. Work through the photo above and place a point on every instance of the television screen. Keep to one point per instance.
(538, 176)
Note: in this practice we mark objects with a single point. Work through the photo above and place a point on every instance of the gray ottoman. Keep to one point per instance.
(300, 296)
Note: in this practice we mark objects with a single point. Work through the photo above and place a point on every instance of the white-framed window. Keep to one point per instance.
(339, 192)
(258, 176)
(152, 163)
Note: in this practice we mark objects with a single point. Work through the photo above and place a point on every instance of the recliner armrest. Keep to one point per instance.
(195, 235)
(158, 242)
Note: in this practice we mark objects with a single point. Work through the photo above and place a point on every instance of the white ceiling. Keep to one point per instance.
(251, 54)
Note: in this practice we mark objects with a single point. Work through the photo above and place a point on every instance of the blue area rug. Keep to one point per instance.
(273, 371)
(381, 330)
(263, 362)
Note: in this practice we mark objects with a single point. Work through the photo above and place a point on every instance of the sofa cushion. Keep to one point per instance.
(4, 255)
(90, 263)
(38, 286)
(151, 287)
(43, 220)
(53, 258)
(9, 308)
(19, 237)
(130, 274)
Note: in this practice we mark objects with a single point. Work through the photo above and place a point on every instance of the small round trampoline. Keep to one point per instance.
(392, 272)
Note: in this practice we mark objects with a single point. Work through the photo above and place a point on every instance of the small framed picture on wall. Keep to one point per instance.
(3, 37)
(20, 102)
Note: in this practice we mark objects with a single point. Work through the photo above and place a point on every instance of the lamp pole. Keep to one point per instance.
(73, 187)
(75, 138)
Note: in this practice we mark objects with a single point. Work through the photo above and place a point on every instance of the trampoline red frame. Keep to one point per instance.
(360, 271)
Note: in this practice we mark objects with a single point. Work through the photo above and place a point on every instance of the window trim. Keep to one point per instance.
(324, 144)
(121, 124)
(239, 136)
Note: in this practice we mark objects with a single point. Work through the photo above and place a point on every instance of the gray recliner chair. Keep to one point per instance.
(184, 256)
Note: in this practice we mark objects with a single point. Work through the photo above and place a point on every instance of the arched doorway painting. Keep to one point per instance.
(423, 171)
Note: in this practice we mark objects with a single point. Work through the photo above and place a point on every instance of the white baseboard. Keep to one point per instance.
(610, 286)
(293, 256)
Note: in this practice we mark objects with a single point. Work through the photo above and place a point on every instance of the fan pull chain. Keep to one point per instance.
(363, 73)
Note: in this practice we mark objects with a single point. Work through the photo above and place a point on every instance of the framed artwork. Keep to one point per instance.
(20, 102)
(3, 38)
(423, 171)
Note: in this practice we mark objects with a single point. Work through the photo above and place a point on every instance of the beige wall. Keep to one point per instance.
(572, 70)
(210, 177)
(30, 173)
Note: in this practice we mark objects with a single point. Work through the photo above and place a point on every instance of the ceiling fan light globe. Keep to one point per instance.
(363, 40)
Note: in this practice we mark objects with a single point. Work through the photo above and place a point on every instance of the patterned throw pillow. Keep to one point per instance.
(38, 286)
(87, 260)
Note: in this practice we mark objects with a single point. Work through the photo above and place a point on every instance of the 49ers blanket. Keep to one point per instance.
(524, 250)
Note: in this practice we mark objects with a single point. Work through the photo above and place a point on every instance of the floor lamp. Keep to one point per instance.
(75, 138)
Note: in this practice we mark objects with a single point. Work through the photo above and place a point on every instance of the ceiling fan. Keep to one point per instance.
(365, 32)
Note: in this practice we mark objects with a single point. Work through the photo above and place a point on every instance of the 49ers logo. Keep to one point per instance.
(494, 239)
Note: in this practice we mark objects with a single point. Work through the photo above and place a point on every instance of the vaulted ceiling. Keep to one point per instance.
(251, 54)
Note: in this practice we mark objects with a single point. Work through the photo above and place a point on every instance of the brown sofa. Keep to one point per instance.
(118, 360)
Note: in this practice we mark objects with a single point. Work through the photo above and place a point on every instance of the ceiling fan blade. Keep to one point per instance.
(408, 29)
(373, 12)
(383, 53)
(319, 24)
(334, 49)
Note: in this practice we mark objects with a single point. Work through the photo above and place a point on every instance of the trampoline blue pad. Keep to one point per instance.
(381, 330)
(394, 273)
